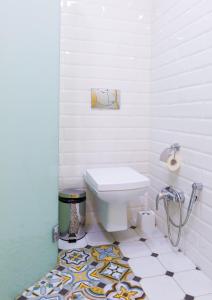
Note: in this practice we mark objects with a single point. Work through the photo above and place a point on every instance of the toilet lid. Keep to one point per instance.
(114, 179)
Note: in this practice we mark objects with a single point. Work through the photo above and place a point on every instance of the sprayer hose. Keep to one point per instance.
(174, 243)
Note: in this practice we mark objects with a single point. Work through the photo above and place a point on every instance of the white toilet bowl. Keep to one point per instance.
(113, 188)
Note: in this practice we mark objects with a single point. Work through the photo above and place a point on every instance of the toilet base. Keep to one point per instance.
(113, 217)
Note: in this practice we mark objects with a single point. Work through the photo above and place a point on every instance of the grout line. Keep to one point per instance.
(158, 17)
(109, 19)
(147, 57)
(146, 32)
(122, 44)
(179, 285)
(165, 64)
(156, 80)
(127, 57)
(185, 26)
(101, 66)
(183, 132)
(182, 87)
(154, 105)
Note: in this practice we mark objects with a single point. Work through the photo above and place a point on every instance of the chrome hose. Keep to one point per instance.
(169, 222)
(193, 198)
(189, 211)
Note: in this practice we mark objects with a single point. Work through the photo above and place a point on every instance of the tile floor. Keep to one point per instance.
(89, 273)
(166, 274)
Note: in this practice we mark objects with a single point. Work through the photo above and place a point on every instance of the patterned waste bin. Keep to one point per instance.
(72, 214)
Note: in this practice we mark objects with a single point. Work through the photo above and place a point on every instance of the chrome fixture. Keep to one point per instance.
(170, 194)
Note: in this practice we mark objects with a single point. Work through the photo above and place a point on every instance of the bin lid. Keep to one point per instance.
(72, 193)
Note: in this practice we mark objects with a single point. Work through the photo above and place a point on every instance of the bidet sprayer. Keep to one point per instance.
(170, 194)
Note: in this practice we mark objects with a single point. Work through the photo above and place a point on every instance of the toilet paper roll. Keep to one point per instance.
(174, 162)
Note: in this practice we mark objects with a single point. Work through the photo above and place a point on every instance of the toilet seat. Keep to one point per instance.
(115, 179)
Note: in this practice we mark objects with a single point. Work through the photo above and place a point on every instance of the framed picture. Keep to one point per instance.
(105, 98)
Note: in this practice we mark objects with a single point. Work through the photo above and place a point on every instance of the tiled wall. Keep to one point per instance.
(181, 111)
(104, 44)
(107, 44)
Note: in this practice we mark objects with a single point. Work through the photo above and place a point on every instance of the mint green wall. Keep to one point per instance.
(29, 79)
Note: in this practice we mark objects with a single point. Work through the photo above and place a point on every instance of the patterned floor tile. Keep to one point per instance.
(106, 253)
(51, 285)
(88, 273)
(125, 291)
(76, 260)
(114, 271)
(91, 293)
(58, 297)
(86, 279)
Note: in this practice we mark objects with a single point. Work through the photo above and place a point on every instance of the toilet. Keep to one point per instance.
(113, 189)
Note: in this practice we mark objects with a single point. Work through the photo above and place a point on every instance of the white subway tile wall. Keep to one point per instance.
(181, 111)
(104, 44)
(164, 51)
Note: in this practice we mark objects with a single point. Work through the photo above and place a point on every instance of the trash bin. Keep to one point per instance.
(72, 214)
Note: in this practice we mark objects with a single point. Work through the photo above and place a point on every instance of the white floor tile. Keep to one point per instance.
(63, 245)
(176, 262)
(126, 235)
(99, 238)
(152, 235)
(159, 245)
(134, 249)
(162, 288)
(147, 266)
(205, 297)
(194, 282)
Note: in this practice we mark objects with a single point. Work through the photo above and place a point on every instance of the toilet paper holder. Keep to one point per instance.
(173, 149)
